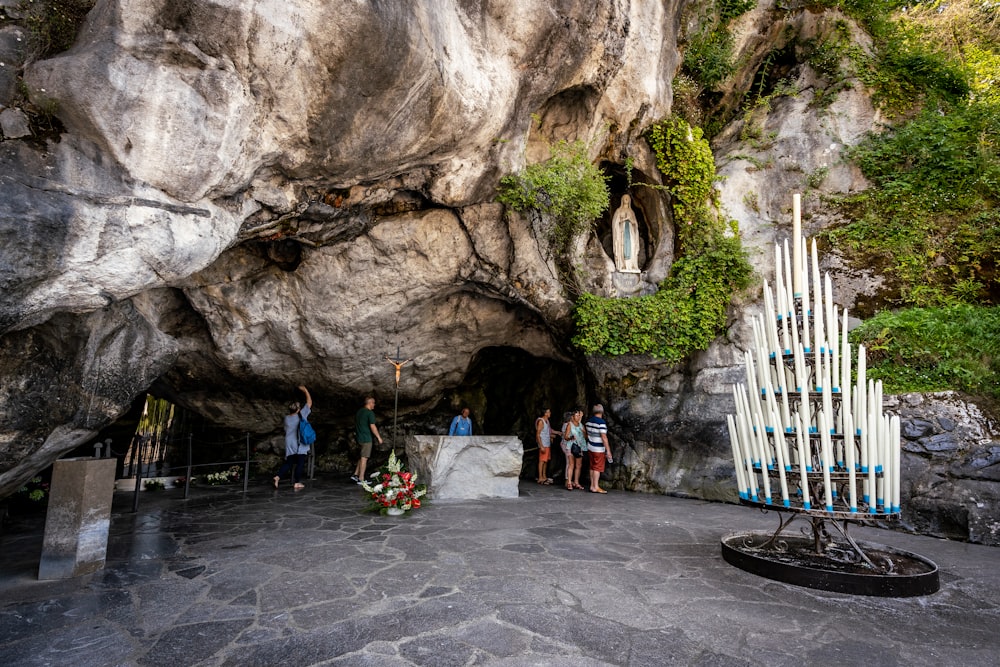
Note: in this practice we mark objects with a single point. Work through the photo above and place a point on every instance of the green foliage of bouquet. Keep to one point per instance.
(392, 486)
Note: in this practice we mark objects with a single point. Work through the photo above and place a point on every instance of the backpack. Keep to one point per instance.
(307, 434)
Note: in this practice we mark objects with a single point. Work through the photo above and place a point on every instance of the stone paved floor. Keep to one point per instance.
(551, 578)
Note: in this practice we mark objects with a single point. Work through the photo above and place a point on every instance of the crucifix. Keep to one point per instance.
(398, 364)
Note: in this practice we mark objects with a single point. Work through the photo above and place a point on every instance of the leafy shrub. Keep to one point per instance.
(730, 9)
(567, 187)
(934, 349)
(708, 57)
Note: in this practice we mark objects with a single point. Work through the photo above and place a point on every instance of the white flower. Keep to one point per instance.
(377, 488)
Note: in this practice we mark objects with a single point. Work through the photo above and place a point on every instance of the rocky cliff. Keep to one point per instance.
(232, 199)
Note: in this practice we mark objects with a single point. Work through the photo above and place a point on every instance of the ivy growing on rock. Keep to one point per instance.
(689, 308)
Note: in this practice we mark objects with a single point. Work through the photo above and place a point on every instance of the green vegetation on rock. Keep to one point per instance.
(929, 223)
(567, 187)
(933, 349)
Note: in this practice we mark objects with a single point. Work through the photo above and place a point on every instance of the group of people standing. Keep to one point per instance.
(578, 439)
(296, 451)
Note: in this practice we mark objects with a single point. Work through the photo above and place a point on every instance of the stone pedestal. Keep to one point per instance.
(78, 518)
(469, 467)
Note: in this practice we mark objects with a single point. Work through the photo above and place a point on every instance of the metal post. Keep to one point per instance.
(246, 466)
(132, 454)
(138, 476)
(187, 477)
(312, 462)
(395, 414)
(398, 364)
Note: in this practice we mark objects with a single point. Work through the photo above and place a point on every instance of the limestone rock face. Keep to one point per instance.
(468, 467)
(281, 192)
(951, 466)
(246, 197)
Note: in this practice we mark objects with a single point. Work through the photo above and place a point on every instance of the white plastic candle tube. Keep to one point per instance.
(734, 444)
(845, 375)
(796, 241)
(779, 447)
(805, 407)
(824, 433)
(745, 427)
(806, 340)
(805, 461)
(894, 440)
(830, 323)
(852, 481)
(818, 336)
(787, 264)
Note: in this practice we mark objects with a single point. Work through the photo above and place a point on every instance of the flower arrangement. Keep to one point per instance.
(153, 485)
(34, 490)
(393, 487)
(231, 474)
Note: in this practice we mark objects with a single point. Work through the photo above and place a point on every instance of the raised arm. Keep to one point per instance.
(309, 400)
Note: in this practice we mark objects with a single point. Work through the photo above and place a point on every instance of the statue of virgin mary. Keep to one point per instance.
(625, 230)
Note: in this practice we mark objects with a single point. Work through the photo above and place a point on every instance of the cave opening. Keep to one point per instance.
(507, 388)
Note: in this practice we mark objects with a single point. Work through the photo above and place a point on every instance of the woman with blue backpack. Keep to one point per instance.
(299, 437)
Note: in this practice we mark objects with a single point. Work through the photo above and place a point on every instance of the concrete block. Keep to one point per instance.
(78, 518)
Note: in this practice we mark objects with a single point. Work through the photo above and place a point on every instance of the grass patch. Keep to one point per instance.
(934, 349)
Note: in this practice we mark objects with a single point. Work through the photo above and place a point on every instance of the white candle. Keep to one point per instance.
(872, 451)
(896, 462)
(805, 408)
(753, 399)
(886, 480)
(845, 376)
(735, 446)
(788, 285)
(754, 449)
(849, 447)
(771, 323)
(805, 460)
(832, 333)
(745, 427)
(818, 300)
(796, 239)
(824, 438)
(805, 298)
(779, 446)
(782, 306)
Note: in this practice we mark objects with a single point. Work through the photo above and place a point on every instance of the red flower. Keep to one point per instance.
(416, 503)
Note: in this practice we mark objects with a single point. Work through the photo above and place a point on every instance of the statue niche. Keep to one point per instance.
(625, 237)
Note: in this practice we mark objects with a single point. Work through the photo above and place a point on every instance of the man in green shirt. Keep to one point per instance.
(365, 431)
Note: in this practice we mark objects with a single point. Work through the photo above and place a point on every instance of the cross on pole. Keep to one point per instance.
(398, 364)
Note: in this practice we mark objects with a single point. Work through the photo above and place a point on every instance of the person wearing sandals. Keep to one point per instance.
(574, 435)
(543, 438)
(295, 452)
(598, 450)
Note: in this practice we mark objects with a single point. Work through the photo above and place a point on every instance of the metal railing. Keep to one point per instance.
(189, 468)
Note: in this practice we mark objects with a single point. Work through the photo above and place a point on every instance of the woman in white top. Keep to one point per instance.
(573, 434)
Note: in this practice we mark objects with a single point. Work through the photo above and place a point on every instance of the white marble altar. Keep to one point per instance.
(466, 467)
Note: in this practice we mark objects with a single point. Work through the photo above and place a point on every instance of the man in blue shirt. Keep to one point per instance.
(461, 424)
(598, 449)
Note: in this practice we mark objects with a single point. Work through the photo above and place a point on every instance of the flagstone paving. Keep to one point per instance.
(551, 578)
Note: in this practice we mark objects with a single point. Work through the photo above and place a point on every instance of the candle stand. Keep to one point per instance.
(811, 443)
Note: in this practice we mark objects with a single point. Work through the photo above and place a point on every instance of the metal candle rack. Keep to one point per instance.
(819, 453)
